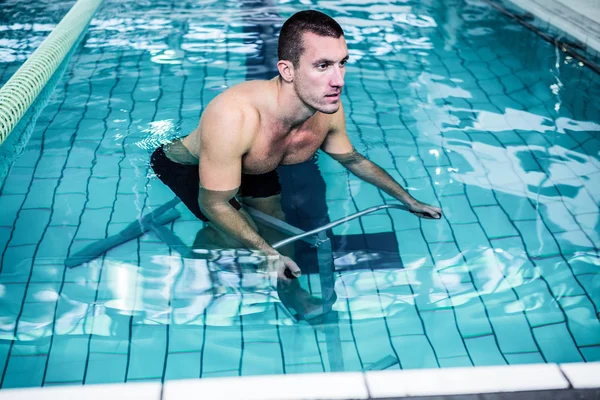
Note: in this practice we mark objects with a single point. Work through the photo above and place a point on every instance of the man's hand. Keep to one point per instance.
(423, 210)
(374, 174)
(286, 268)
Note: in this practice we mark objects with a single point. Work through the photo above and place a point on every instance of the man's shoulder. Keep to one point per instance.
(245, 93)
(243, 99)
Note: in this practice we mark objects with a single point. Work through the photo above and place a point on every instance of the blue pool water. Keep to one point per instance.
(24, 28)
(464, 107)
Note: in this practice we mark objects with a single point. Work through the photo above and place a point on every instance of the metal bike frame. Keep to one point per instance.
(315, 237)
(318, 238)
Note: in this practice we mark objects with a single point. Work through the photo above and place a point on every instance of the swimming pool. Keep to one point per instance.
(463, 106)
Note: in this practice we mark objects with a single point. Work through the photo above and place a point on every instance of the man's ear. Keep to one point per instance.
(286, 70)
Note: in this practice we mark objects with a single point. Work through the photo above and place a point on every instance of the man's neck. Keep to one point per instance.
(291, 110)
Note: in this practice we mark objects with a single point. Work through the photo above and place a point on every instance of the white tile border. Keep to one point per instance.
(454, 381)
(337, 386)
(582, 376)
(114, 391)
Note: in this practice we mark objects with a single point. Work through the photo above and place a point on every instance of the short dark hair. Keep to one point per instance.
(290, 38)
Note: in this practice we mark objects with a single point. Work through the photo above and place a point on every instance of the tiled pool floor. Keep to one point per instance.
(500, 137)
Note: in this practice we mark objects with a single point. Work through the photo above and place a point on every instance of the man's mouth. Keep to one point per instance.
(333, 95)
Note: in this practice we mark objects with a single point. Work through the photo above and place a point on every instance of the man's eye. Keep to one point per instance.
(322, 66)
(343, 63)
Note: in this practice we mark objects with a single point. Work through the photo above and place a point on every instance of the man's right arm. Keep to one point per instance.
(215, 205)
(224, 139)
(226, 134)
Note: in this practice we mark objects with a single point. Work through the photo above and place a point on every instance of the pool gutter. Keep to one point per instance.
(576, 32)
(564, 381)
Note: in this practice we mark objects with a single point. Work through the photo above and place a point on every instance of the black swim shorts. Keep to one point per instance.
(184, 180)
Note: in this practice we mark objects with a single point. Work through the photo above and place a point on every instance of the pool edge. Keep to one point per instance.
(564, 18)
(465, 382)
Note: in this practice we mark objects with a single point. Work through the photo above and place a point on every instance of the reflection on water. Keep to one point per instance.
(24, 28)
(464, 108)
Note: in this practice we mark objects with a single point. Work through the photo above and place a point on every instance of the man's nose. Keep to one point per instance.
(337, 79)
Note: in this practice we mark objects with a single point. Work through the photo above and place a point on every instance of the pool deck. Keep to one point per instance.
(532, 381)
(578, 18)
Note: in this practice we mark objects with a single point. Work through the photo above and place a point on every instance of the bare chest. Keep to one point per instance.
(268, 151)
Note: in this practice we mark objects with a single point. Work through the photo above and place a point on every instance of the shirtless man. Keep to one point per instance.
(247, 131)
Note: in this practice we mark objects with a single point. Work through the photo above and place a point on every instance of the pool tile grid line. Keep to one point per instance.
(144, 201)
(554, 379)
(205, 325)
(60, 290)
(120, 170)
(137, 370)
(542, 103)
(280, 343)
(362, 227)
(512, 72)
(350, 116)
(534, 206)
(531, 260)
(5, 367)
(88, 205)
(520, 136)
(501, 59)
(462, 334)
(536, 159)
(574, 173)
(354, 335)
(428, 244)
(347, 300)
(433, 348)
(33, 163)
(527, 318)
(509, 94)
(566, 319)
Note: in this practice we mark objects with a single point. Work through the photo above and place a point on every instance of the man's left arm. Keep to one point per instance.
(338, 146)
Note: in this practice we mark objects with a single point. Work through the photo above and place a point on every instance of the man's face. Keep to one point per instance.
(319, 76)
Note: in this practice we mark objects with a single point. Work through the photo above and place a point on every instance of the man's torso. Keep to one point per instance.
(272, 145)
